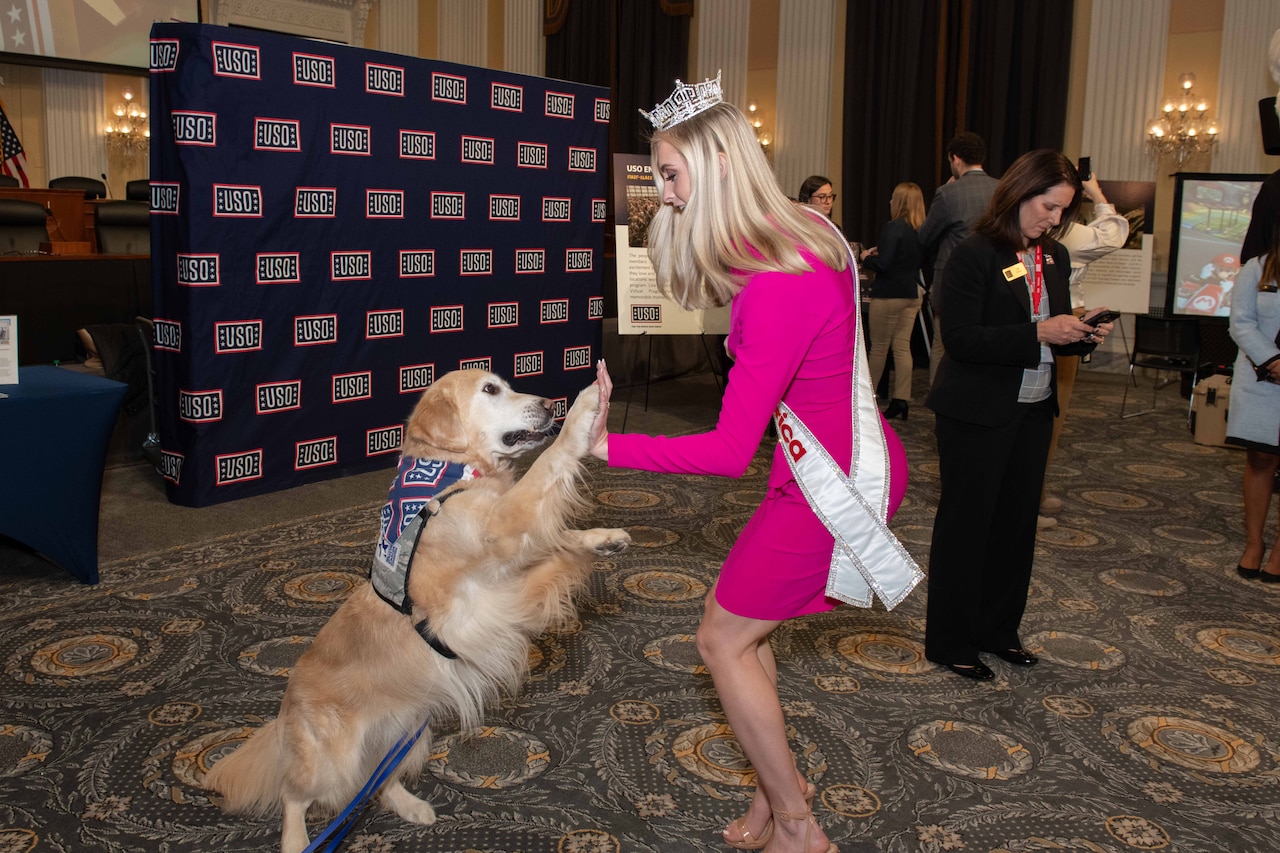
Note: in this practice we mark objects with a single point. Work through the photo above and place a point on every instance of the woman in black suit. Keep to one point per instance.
(1006, 311)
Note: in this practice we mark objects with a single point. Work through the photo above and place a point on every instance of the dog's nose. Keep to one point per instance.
(548, 405)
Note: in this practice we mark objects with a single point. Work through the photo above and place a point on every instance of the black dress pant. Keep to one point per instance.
(984, 533)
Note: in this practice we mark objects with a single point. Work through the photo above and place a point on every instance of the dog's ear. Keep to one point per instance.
(437, 422)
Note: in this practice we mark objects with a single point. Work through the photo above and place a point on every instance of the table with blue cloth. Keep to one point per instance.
(55, 425)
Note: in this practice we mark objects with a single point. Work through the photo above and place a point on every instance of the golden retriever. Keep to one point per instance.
(494, 567)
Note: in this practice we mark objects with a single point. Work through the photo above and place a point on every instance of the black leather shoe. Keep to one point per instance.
(1247, 574)
(978, 672)
(896, 408)
(1022, 657)
(1268, 577)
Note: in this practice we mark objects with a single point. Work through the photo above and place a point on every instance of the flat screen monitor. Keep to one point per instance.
(1211, 214)
(92, 32)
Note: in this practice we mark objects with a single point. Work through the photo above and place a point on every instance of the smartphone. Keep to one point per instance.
(1102, 317)
(1085, 168)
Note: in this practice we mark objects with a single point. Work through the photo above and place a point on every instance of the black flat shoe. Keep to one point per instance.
(1247, 574)
(980, 671)
(1021, 657)
(1268, 577)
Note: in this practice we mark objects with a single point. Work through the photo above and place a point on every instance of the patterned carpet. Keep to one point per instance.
(1152, 722)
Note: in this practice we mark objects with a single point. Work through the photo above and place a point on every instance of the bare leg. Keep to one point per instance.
(731, 647)
(1259, 480)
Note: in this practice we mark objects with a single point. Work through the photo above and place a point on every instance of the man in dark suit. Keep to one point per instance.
(957, 204)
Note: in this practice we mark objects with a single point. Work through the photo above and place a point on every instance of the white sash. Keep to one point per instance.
(867, 560)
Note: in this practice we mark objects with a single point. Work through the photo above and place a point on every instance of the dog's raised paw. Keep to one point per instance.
(604, 542)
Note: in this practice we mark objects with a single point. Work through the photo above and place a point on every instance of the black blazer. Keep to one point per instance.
(988, 333)
(897, 262)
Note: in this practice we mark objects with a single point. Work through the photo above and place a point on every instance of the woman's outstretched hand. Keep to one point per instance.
(599, 444)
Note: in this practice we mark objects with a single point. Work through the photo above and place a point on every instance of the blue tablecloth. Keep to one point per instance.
(54, 429)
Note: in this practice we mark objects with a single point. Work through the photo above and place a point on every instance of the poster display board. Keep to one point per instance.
(642, 310)
(333, 228)
(1121, 280)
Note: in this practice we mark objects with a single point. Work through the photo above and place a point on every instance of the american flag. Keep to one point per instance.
(11, 149)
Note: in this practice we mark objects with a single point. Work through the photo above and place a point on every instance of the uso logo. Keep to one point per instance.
(595, 308)
(199, 406)
(171, 466)
(485, 363)
(528, 364)
(193, 128)
(531, 261)
(449, 88)
(278, 268)
(416, 377)
(164, 54)
(504, 208)
(576, 358)
(417, 145)
(349, 139)
(582, 159)
(383, 79)
(272, 397)
(236, 60)
(384, 204)
(553, 311)
(555, 209)
(238, 467)
(559, 408)
(315, 203)
(165, 198)
(475, 262)
(602, 110)
(446, 318)
(383, 440)
(311, 70)
(384, 324)
(276, 134)
(578, 260)
(598, 210)
(448, 205)
(531, 155)
(237, 336)
(417, 263)
(312, 329)
(352, 386)
(231, 200)
(477, 149)
(559, 105)
(316, 452)
(505, 97)
(504, 315)
(167, 335)
(642, 314)
(198, 270)
(350, 266)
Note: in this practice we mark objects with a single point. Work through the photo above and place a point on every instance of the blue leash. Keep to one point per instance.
(331, 838)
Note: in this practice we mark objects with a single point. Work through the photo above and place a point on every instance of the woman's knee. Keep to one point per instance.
(1261, 462)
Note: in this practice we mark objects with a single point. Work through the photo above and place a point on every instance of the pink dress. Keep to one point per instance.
(792, 338)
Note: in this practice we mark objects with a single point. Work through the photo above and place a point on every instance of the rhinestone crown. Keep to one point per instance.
(685, 103)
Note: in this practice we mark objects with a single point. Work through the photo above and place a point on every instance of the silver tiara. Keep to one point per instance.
(685, 103)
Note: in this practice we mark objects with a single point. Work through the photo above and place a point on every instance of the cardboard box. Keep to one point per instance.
(1210, 400)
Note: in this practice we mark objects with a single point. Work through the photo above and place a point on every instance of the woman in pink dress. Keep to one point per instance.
(727, 234)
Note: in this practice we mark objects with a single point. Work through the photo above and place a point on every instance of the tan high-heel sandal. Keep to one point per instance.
(807, 815)
(748, 840)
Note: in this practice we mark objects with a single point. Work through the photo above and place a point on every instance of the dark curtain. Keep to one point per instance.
(919, 71)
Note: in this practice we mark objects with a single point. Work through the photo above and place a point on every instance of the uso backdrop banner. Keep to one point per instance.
(333, 228)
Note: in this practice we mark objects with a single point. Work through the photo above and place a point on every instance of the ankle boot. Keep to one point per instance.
(896, 407)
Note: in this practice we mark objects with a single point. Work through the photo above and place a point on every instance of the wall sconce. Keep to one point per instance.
(127, 130)
(1181, 130)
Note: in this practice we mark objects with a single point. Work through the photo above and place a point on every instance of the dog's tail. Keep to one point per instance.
(250, 779)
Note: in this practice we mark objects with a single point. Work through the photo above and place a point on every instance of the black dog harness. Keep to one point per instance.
(412, 500)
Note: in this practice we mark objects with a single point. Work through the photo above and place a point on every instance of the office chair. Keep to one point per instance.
(1163, 343)
(139, 190)
(92, 187)
(123, 227)
(22, 226)
(9, 181)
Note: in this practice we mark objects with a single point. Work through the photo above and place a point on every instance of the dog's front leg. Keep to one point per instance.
(600, 541)
(293, 836)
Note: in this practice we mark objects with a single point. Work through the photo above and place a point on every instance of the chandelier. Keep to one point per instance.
(1182, 130)
(755, 116)
(127, 130)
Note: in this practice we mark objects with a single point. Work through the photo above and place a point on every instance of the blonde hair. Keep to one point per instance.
(907, 203)
(733, 225)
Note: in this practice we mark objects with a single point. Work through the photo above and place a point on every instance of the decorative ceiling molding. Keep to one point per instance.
(335, 20)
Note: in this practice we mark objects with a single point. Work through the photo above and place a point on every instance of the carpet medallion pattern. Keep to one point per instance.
(1151, 723)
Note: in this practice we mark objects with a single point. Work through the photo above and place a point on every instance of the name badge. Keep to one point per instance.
(1018, 270)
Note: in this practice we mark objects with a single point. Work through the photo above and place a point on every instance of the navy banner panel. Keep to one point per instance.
(334, 228)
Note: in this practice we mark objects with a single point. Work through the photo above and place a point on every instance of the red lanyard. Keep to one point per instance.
(1037, 281)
